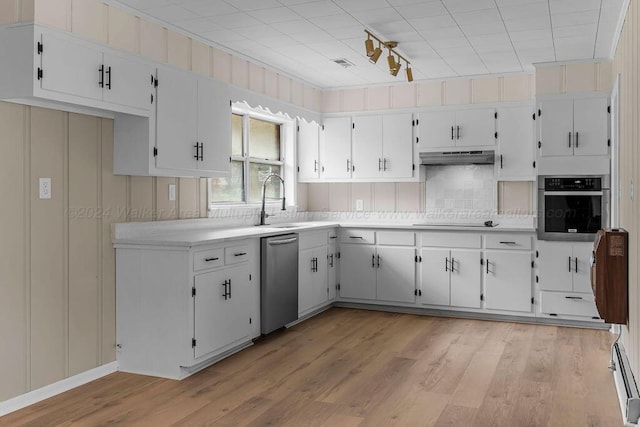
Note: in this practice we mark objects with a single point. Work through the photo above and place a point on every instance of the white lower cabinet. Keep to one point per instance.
(180, 309)
(357, 271)
(508, 280)
(222, 303)
(385, 272)
(564, 279)
(396, 278)
(451, 277)
(333, 259)
(313, 272)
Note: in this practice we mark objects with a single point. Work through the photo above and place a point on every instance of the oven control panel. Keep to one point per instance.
(573, 184)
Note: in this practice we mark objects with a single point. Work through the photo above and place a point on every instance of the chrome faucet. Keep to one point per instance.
(263, 214)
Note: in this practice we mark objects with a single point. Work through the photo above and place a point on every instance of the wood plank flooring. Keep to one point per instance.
(349, 367)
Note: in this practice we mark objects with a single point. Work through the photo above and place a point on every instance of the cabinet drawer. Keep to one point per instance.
(568, 303)
(452, 240)
(236, 254)
(312, 239)
(507, 241)
(396, 238)
(332, 236)
(363, 237)
(211, 258)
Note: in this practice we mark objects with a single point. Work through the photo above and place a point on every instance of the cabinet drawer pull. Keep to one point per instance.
(240, 254)
(569, 139)
(457, 132)
(356, 237)
(576, 264)
(452, 133)
(569, 264)
(197, 147)
(487, 266)
(379, 164)
(446, 264)
(453, 264)
(384, 164)
(101, 78)
(378, 262)
(373, 261)
(211, 259)
(333, 237)
(573, 298)
(577, 143)
(507, 243)
(108, 73)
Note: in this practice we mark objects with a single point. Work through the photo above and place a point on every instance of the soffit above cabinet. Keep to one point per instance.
(442, 39)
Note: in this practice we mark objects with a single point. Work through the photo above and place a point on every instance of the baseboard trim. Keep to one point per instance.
(56, 388)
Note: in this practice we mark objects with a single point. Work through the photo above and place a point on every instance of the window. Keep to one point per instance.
(256, 152)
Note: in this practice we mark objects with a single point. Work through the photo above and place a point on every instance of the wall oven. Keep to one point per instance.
(572, 207)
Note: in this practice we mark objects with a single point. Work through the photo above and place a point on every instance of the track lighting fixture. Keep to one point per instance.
(374, 54)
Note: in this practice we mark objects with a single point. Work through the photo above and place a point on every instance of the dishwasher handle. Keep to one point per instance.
(283, 241)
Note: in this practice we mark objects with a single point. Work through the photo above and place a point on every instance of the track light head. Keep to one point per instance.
(368, 45)
(377, 52)
(409, 74)
(396, 69)
(392, 62)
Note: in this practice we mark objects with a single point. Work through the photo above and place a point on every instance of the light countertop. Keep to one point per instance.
(192, 233)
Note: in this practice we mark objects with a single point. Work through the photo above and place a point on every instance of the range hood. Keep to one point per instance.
(482, 157)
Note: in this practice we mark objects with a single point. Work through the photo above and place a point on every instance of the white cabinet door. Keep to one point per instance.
(305, 280)
(176, 120)
(437, 129)
(71, 67)
(336, 148)
(435, 276)
(556, 127)
(475, 127)
(465, 278)
(357, 272)
(332, 271)
(555, 265)
(590, 127)
(320, 291)
(221, 309)
(308, 151)
(515, 133)
(396, 274)
(397, 145)
(213, 127)
(582, 267)
(508, 281)
(367, 147)
(128, 81)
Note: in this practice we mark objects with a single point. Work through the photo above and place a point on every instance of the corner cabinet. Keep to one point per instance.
(180, 309)
(189, 134)
(53, 68)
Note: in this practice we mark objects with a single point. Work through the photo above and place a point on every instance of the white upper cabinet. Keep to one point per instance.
(515, 135)
(473, 127)
(397, 146)
(69, 71)
(213, 128)
(308, 151)
(336, 148)
(190, 134)
(367, 146)
(383, 146)
(571, 127)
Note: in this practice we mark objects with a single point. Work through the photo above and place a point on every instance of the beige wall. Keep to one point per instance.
(56, 258)
(377, 196)
(626, 64)
(573, 78)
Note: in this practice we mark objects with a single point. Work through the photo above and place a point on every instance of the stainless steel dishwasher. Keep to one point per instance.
(279, 282)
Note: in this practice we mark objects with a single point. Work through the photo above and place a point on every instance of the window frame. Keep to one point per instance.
(247, 114)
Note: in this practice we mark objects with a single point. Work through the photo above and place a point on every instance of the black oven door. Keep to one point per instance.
(572, 212)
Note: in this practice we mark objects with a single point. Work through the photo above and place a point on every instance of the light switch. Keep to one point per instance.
(359, 205)
(45, 188)
(172, 192)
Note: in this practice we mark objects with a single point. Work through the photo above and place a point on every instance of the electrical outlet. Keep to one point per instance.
(359, 205)
(45, 188)
(172, 192)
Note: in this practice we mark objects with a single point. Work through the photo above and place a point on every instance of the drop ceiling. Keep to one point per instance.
(442, 39)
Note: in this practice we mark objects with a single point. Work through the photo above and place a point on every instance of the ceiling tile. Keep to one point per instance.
(571, 6)
(274, 15)
(173, 12)
(537, 23)
(488, 16)
(199, 25)
(575, 30)
(208, 7)
(429, 22)
(524, 11)
(575, 18)
(247, 5)
(373, 16)
(442, 33)
(147, 4)
(295, 27)
(456, 6)
(476, 29)
(235, 21)
(361, 5)
(316, 8)
(449, 44)
(334, 21)
(420, 10)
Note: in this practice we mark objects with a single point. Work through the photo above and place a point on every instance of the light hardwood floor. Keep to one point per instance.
(349, 367)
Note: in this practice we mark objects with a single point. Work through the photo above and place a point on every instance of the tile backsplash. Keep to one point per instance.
(460, 188)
